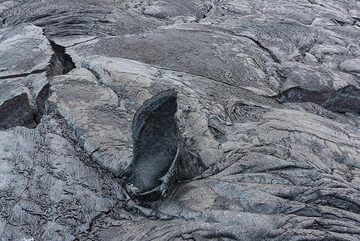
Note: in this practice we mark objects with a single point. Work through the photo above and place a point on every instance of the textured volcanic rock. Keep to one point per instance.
(168, 120)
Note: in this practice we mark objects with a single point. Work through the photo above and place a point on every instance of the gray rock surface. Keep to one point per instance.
(168, 120)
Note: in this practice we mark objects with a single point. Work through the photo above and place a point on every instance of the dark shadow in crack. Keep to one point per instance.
(60, 63)
(344, 100)
(18, 111)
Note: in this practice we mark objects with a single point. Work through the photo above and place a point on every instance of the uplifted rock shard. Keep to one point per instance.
(156, 146)
(159, 150)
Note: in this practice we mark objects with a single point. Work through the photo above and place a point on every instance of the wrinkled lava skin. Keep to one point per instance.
(241, 116)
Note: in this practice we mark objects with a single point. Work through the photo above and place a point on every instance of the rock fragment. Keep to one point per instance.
(351, 65)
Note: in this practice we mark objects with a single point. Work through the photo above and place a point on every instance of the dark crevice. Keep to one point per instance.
(342, 23)
(41, 98)
(344, 100)
(315, 3)
(82, 42)
(271, 54)
(13, 76)
(298, 94)
(18, 111)
(60, 63)
(38, 17)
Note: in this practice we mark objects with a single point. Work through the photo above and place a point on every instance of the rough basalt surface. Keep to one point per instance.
(167, 120)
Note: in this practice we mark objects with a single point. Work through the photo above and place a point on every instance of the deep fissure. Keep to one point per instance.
(19, 111)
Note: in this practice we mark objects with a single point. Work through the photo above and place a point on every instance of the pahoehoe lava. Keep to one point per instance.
(179, 120)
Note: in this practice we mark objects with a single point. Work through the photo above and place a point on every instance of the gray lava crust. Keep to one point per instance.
(179, 120)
